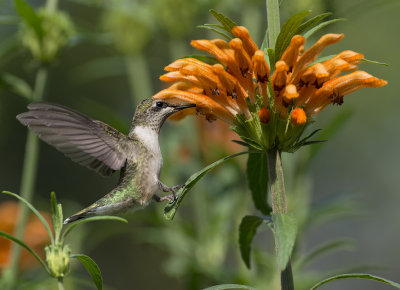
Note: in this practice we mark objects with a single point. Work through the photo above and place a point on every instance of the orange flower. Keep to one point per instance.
(298, 89)
(35, 235)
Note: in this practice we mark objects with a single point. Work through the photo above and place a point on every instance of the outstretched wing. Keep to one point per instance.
(88, 142)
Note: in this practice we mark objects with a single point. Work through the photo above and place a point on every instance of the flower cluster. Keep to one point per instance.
(269, 110)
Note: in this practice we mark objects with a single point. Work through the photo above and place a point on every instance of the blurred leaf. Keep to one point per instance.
(257, 178)
(320, 26)
(22, 244)
(326, 248)
(311, 23)
(203, 58)
(92, 269)
(213, 29)
(271, 57)
(16, 85)
(285, 229)
(30, 17)
(247, 230)
(288, 30)
(170, 209)
(56, 215)
(91, 219)
(357, 276)
(230, 287)
(226, 22)
(35, 211)
(374, 62)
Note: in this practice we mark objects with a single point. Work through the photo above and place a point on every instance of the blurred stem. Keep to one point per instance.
(27, 181)
(51, 5)
(278, 196)
(60, 283)
(273, 22)
(138, 77)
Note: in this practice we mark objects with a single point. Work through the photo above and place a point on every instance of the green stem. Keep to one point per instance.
(278, 196)
(60, 283)
(138, 77)
(51, 5)
(273, 19)
(27, 181)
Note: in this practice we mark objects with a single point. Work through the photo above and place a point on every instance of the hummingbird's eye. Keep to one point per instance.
(161, 104)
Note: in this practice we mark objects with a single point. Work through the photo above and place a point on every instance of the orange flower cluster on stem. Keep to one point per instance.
(299, 88)
(35, 235)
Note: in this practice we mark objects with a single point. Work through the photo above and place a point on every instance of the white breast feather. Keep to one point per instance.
(148, 137)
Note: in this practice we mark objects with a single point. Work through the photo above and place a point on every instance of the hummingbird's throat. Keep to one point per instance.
(148, 137)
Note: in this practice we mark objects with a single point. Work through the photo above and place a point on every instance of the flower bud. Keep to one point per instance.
(57, 258)
(264, 115)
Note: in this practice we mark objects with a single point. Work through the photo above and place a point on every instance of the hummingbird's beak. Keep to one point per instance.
(181, 107)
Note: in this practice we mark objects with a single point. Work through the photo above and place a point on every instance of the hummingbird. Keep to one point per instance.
(102, 148)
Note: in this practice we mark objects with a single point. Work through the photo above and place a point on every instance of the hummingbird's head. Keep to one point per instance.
(153, 112)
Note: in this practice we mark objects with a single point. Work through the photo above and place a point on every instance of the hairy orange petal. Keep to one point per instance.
(290, 93)
(204, 104)
(298, 117)
(182, 62)
(177, 76)
(312, 53)
(315, 74)
(249, 45)
(279, 78)
(293, 50)
(261, 73)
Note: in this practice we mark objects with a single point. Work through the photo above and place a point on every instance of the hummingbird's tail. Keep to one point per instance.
(85, 213)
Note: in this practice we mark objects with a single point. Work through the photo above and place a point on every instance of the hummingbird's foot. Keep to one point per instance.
(169, 197)
(172, 189)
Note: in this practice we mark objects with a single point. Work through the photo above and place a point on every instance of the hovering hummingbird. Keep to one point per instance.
(104, 149)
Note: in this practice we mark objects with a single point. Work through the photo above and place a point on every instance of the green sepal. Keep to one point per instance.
(257, 179)
(320, 26)
(247, 230)
(57, 216)
(92, 269)
(309, 24)
(288, 30)
(357, 276)
(25, 246)
(285, 230)
(374, 62)
(30, 17)
(170, 209)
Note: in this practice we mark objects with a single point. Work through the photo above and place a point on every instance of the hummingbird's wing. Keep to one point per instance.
(88, 142)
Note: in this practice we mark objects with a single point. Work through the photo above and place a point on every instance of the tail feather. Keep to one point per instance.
(78, 216)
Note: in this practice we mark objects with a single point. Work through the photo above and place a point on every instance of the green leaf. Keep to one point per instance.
(22, 244)
(374, 62)
(247, 230)
(230, 287)
(285, 229)
(170, 209)
(271, 57)
(209, 27)
(226, 22)
(35, 211)
(288, 30)
(320, 26)
(203, 58)
(16, 85)
(56, 215)
(257, 178)
(92, 269)
(311, 23)
(91, 219)
(357, 276)
(30, 17)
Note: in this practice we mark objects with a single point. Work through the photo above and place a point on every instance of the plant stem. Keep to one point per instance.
(273, 20)
(60, 283)
(27, 181)
(138, 77)
(277, 187)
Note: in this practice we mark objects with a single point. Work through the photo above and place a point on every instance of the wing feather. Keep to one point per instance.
(88, 142)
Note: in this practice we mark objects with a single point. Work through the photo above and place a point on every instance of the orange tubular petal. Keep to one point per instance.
(241, 56)
(249, 45)
(350, 56)
(223, 45)
(182, 114)
(335, 66)
(315, 74)
(182, 62)
(298, 117)
(184, 86)
(204, 104)
(292, 52)
(177, 76)
(261, 68)
(312, 53)
(304, 95)
(279, 78)
(290, 93)
(211, 48)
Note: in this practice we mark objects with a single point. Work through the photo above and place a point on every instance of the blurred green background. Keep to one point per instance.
(113, 61)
